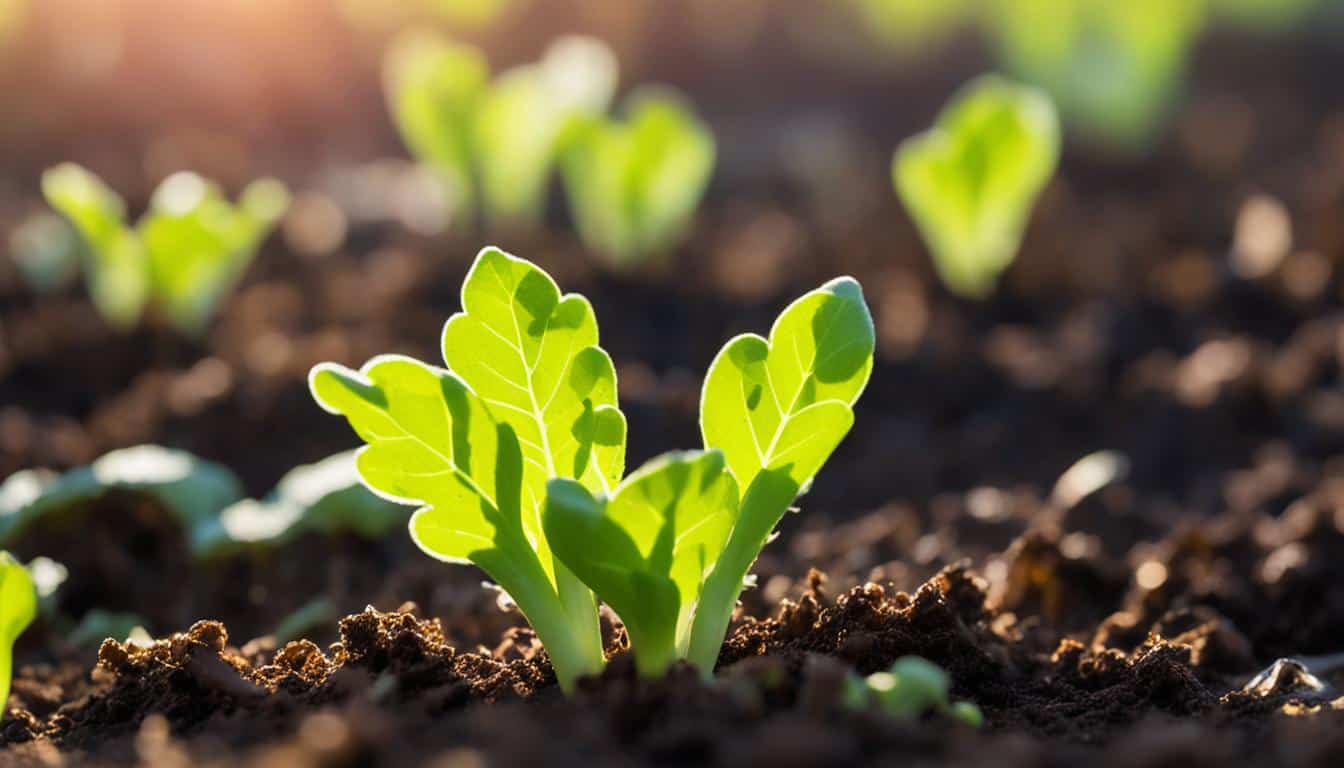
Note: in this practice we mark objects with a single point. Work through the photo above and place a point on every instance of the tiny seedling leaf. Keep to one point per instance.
(970, 182)
(18, 608)
(646, 550)
(777, 408)
(633, 187)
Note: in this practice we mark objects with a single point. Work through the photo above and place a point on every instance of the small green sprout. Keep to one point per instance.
(493, 143)
(186, 253)
(633, 187)
(970, 182)
(516, 454)
(18, 608)
(777, 408)
(647, 549)
(1114, 68)
(910, 688)
(530, 397)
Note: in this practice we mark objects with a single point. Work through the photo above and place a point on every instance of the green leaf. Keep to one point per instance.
(971, 181)
(914, 26)
(18, 608)
(189, 488)
(523, 115)
(777, 408)
(633, 187)
(198, 244)
(647, 550)
(325, 498)
(433, 88)
(531, 397)
(1114, 69)
(115, 266)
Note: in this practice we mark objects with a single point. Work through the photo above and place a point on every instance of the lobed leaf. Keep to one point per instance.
(970, 182)
(647, 549)
(777, 408)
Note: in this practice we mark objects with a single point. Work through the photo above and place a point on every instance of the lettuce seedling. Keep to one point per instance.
(530, 397)
(646, 550)
(777, 408)
(186, 253)
(493, 143)
(18, 608)
(633, 187)
(1114, 68)
(909, 689)
(970, 182)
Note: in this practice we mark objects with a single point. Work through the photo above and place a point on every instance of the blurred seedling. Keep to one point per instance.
(493, 143)
(1114, 68)
(515, 455)
(970, 182)
(205, 499)
(18, 608)
(911, 688)
(186, 253)
(633, 186)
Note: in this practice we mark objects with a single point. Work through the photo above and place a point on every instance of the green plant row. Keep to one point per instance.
(184, 255)
(206, 499)
(515, 454)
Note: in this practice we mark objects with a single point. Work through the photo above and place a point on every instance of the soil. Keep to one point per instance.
(1114, 624)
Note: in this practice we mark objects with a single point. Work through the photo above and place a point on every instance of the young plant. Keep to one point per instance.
(633, 187)
(186, 253)
(493, 144)
(970, 182)
(670, 548)
(912, 687)
(913, 26)
(530, 397)
(1114, 68)
(777, 408)
(18, 608)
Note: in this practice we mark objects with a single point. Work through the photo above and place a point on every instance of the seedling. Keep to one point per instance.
(913, 26)
(18, 608)
(1113, 68)
(493, 144)
(633, 187)
(205, 499)
(970, 182)
(516, 455)
(911, 688)
(186, 253)
(531, 397)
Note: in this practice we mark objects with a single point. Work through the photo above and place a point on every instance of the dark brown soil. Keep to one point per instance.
(1113, 628)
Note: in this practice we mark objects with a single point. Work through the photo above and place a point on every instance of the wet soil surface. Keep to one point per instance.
(1110, 614)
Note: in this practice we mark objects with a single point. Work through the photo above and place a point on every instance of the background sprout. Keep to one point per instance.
(970, 182)
(188, 251)
(493, 143)
(115, 268)
(914, 26)
(912, 687)
(633, 187)
(18, 608)
(1114, 69)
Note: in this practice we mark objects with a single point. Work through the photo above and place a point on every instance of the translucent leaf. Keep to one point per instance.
(647, 549)
(971, 181)
(18, 608)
